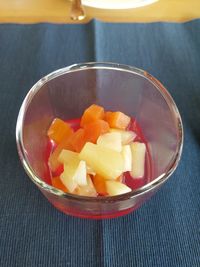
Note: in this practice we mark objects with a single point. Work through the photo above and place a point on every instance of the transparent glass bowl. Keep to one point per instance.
(65, 93)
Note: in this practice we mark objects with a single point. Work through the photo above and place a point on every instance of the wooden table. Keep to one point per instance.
(57, 11)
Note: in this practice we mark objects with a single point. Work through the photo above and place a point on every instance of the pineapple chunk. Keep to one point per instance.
(90, 171)
(87, 190)
(80, 176)
(68, 174)
(104, 161)
(127, 155)
(126, 136)
(74, 174)
(111, 140)
(138, 159)
(66, 156)
(115, 188)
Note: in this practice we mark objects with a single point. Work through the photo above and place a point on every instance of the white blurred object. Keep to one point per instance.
(117, 4)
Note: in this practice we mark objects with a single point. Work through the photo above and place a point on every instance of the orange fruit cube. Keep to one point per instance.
(99, 184)
(59, 130)
(93, 113)
(78, 140)
(117, 120)
(94, 129)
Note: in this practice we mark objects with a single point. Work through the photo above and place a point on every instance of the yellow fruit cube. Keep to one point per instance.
(104, 161)
(87, 190)
(115, 188)
(126, 136)
(138, 159)
(66, 156)
(75, 173)
(111, 140)
(127, 155)
(80, 175)
(68, 174)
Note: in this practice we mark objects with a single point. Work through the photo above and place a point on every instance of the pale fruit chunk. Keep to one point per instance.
(111, 140)
(138, 159)
(104, 161)
(126, 136)
(127, 155)
(66, 156)
(116, 188)
(87, 190)
(90, 171)
(80, 176)
(74, 174)
(68, 174)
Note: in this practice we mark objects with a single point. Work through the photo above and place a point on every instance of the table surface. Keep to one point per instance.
(58, 11)
(165, 231)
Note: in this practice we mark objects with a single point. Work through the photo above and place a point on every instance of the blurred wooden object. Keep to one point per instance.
(58, 11)
(77, 12)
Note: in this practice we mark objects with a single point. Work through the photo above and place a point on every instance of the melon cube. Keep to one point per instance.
(104, 161)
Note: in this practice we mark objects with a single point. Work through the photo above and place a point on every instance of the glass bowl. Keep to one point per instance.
(65, 93)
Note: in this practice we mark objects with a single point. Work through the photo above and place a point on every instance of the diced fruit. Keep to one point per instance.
(74, 173)
(126, 136)
(117, 120)
(80, 176)
(127, 156)
(96, 155)
(56, 182)
(53, 159)
(78, 140)
(93, 113)
(66, 156)
(87, 190)
(59, 130)
(100, 184)
(104, 161)
(67, 177)
(111, 140)
(94, 129)
(90, 171)
(138, 159)
(116, 188)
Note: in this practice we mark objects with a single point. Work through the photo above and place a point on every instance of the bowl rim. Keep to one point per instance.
(98, 65)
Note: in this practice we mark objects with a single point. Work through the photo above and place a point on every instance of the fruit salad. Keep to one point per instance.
(97, 155)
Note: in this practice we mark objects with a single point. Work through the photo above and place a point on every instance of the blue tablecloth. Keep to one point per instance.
(163, 232)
